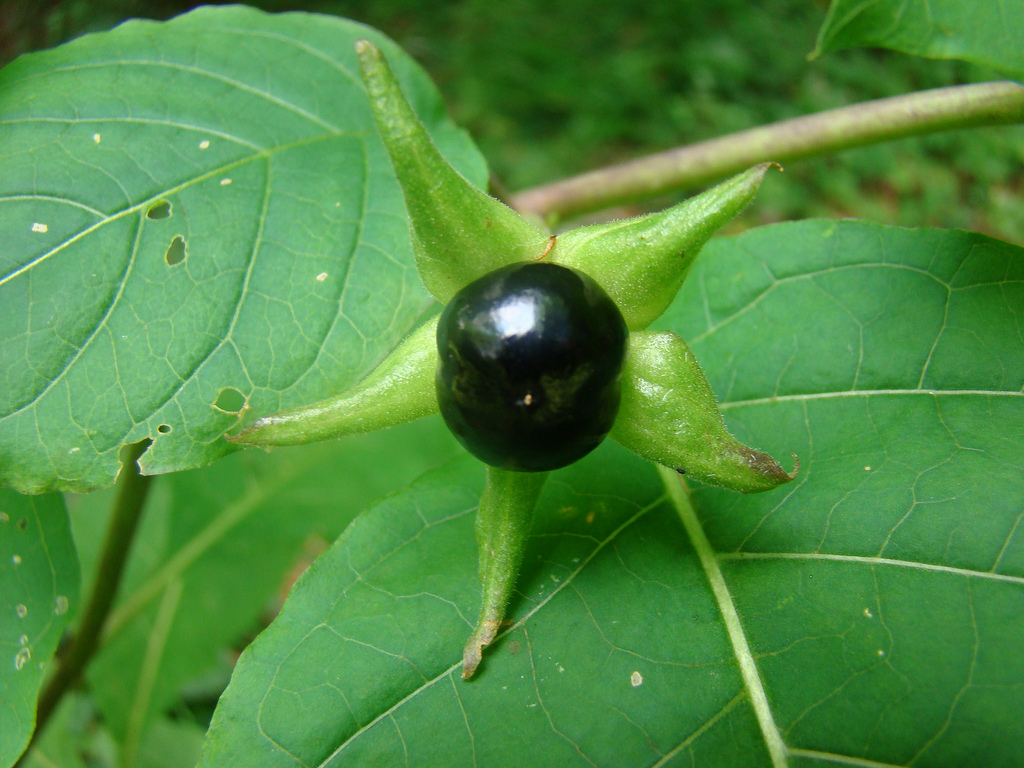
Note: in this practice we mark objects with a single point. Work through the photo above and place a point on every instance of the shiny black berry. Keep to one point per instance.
(531, 356)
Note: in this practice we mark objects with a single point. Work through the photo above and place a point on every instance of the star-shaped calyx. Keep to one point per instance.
(667, 412)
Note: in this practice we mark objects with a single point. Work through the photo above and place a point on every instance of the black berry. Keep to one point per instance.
(531, 356)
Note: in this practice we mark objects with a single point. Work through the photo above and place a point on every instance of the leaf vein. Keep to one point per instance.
(868, 393)
(748, 667)
(872, 561)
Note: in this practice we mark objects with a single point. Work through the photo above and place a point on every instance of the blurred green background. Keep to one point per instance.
(553, 89)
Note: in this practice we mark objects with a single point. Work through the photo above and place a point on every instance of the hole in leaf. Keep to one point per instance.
(176, 251)
(164, 429)
(133, 452)
(230, 400)
(159, 210)
(126, 450)
(23, 524)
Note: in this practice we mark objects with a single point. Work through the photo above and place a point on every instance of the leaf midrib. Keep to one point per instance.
(737, 637)
(872, 561)
(171, 65)
(262, 154)
(868, 393)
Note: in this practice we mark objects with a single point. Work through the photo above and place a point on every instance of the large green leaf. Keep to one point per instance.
(367, 653)
(39, 578)
(195, 214)
(215, 547)
(884, 591)
(870, 613)
(986, 32)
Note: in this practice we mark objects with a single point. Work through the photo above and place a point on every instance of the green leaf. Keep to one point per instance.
(883, 588)
(871, 610)
(39, 574)
(196, 215)
(216, 546)
(367, 651)
(989, 33)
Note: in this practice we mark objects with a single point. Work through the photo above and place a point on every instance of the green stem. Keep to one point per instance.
(131, 495)
(502, 526)
(941, 109)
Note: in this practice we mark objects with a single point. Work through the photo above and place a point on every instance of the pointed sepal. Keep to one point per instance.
(641, 262)
(460, 233)
(502, 526)
(399, 389)
(669, 415)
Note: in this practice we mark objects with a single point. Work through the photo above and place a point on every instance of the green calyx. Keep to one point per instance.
(459, 232)
(669, 415)
(399, 389)
(502, 525)
(642, 262)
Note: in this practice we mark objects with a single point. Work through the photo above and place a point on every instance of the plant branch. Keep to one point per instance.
(131, 496)
(941, 109)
